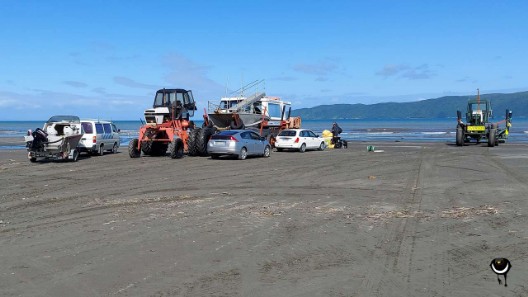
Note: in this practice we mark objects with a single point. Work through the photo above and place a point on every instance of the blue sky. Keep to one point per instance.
(106, 59)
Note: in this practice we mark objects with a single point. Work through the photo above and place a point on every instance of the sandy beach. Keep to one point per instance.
(418, 219)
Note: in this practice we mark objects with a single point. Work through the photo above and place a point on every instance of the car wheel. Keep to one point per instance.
(243, 154)
(267, 151)
(302, 149)
(322, 146)
(114, 148)
(101, 150)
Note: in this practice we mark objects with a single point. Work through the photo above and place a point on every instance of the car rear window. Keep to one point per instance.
(288, 133)
(229, 133)
(221, 137)
(224, 135)
(87, 127)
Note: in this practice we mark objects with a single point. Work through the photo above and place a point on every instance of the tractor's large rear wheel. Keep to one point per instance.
(176, 148)
(146, 147)
(192, 142)
(492, 137)
(203, 139)
(459, 136)
(133, 150)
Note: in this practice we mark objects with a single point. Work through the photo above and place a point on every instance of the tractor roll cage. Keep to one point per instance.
(178, 97)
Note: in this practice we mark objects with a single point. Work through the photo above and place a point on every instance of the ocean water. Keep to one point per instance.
(403, 130)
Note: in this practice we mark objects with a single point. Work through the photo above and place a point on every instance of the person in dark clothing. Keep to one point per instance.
(336, 130)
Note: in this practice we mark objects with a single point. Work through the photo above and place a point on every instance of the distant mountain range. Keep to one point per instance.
(443, 107)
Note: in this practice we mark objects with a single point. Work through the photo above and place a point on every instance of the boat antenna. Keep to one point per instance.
(227, 84)
(478, 99)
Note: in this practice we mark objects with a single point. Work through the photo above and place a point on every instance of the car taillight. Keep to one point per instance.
(94, 139)
(296, 140)
(233, 139)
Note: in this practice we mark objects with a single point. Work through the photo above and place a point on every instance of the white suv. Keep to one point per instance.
(299, 139)
(99, 136)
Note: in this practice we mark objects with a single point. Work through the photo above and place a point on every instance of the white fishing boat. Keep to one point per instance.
(248, 111)
(58, 139)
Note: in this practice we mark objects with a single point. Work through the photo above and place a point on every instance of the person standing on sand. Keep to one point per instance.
(336, 130)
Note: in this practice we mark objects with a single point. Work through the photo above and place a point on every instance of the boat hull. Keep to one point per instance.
(224, 120)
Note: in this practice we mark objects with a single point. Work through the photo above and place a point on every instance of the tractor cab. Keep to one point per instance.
(179, 99)
(171, 104)
(478, 112)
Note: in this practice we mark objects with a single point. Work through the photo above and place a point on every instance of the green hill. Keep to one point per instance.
(442, 107)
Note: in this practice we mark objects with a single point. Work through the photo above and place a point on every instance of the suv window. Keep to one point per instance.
(107, 128)
(99, 128)
(87, 127)
(114, 128)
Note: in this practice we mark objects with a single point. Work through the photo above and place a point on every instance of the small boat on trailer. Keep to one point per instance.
(57, 140)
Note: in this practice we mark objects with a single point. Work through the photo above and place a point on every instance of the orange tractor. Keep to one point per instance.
(167, 125)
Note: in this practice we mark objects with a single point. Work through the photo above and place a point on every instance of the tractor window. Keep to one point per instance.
(476, 107)
(179, 97)
(186, 99)
(158, 101)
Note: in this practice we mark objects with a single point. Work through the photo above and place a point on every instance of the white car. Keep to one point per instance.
(299, 139)
(98, 137)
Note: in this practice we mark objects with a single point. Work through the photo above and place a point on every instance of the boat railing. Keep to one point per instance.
(257, 86)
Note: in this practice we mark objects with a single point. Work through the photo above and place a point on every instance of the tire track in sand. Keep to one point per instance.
(389, 273)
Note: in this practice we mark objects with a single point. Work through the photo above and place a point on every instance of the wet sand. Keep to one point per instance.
(12, 141)
(419, 219)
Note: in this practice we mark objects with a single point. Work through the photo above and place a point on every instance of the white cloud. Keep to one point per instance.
(125, 81)
(75, 84)
(405, 71)
(321, 69)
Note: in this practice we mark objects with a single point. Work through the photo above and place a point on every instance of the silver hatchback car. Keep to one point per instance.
(240, 143)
